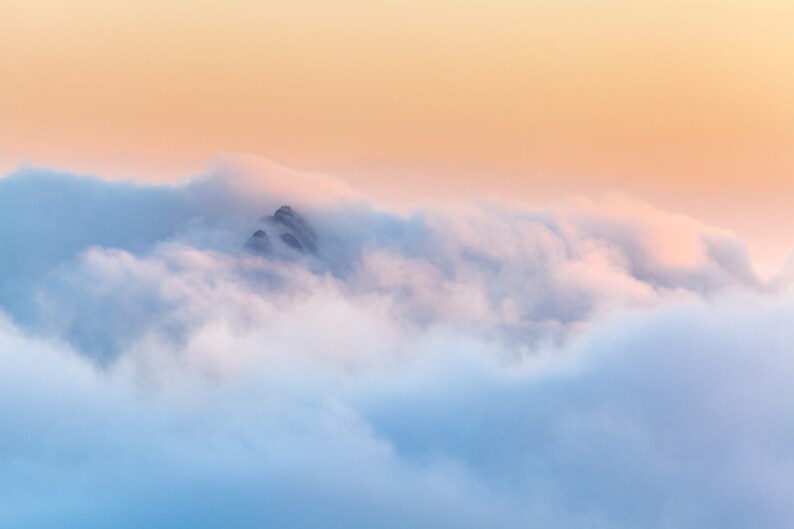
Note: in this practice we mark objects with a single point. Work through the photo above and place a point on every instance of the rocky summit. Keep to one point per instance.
(284, 232)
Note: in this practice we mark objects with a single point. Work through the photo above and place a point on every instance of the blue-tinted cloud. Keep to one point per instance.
(587, 365)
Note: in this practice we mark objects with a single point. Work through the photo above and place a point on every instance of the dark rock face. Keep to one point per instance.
(287, 216)
(259, 242)
(291, 241)
(296, 225)
(290, 233)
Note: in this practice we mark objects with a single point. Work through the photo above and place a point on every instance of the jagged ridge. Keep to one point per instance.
(289, 228)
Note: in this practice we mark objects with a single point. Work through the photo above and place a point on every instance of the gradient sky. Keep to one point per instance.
(687, 104)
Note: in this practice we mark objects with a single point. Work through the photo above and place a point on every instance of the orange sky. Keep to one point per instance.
(688, 104)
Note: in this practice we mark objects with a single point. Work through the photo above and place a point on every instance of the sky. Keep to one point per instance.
(535, 271)
(684, 104)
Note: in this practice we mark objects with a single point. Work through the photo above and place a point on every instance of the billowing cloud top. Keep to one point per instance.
(592, 364)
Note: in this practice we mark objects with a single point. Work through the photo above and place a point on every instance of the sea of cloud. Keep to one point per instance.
(597, 364)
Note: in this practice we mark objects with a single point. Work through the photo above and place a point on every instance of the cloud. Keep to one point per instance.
(592, 364)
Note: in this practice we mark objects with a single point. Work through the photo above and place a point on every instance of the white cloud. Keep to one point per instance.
(594, 364)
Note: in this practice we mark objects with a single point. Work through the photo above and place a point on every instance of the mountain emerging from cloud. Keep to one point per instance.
(291, 228)
(171, 358)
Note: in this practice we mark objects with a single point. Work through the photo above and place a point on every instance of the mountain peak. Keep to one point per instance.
(288, 227)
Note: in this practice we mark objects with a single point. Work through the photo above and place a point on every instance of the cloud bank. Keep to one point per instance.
(592, 364)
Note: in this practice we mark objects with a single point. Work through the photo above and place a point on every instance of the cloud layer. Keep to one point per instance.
(592, 364)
